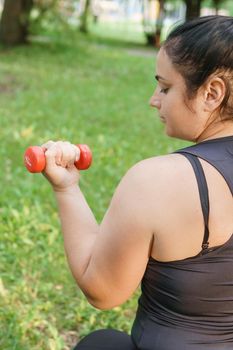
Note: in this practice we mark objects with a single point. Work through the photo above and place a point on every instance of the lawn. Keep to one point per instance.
(86, 90)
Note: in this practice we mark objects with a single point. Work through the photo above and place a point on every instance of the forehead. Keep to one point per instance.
(165, 68)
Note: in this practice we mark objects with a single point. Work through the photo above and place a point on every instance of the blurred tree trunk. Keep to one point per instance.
(159, 23)
(15, 21)
(193, 8)
(83, 18)
(217, 4)
(153, 37)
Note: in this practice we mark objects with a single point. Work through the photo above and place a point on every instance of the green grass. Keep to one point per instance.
(87, 90)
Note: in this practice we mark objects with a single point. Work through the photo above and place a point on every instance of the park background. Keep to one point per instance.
(72, 71)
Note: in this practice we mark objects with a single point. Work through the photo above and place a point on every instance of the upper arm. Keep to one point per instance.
(150, 200)
(123, 243)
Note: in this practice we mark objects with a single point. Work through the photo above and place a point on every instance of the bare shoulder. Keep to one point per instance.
(168, 170)
(160, 183)
(171, 205)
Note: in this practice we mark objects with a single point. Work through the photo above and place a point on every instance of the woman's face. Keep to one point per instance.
(181, 121)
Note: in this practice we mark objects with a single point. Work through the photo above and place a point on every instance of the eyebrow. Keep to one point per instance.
(158, 77)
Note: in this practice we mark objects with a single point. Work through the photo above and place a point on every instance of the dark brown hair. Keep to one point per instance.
(200, 48)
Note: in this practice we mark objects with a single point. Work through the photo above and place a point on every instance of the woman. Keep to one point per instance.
(170, 222)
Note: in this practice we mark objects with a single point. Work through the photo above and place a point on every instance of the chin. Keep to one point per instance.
(169, 132)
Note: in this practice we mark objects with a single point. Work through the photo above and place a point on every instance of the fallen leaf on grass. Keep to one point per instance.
(3, 291)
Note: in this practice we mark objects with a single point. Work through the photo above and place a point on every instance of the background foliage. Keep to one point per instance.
(83, 88)
(91, 91)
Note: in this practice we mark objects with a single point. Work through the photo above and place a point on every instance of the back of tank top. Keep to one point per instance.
(190, 301)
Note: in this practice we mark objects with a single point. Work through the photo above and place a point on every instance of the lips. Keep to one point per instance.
(163, 120)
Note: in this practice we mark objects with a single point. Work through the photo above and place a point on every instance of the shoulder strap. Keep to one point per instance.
(203, 192)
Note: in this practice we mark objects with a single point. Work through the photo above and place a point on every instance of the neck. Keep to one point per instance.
(216, 130)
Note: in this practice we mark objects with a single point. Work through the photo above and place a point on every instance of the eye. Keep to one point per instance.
(163, 90)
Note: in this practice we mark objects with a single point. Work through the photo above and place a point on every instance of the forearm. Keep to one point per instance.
(79, 229)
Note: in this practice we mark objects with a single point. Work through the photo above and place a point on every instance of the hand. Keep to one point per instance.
(60, 170)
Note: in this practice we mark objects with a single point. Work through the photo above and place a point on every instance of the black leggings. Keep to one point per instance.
(106, 339)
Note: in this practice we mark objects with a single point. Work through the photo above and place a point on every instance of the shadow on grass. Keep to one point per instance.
(116, 42)
(57, 42)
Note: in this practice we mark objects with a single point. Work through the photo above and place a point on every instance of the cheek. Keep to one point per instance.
(171, 102)
(177, 120)
(175, 107)
(171, 111)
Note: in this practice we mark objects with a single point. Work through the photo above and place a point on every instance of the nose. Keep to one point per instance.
(155, 101)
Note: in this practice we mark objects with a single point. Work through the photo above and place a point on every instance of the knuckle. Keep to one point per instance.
(77, 151)
(47, 144)
(59, 143)
(51, 151)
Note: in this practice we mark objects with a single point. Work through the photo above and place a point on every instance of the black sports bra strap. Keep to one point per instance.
(203, 192)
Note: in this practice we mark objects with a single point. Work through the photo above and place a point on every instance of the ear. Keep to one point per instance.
(214, 93)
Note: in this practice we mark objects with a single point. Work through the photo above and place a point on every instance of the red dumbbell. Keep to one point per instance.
(34, 158)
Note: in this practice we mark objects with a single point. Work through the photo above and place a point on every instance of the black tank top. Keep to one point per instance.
(188, 304)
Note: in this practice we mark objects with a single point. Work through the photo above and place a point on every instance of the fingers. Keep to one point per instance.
(61, 153)
(48, 144)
